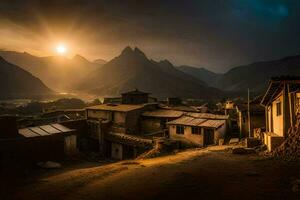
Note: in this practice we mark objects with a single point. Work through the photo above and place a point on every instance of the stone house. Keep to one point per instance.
(199, 129)
(281, 102)
(115, 128)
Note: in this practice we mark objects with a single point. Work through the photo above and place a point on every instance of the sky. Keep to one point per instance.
(215, 34)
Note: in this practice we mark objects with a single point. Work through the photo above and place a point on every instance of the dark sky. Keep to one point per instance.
(216, 34)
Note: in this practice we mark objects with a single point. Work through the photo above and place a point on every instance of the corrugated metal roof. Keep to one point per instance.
(49, 129)
(207, 115)
(213, 123)
(44, 130)
(189, 121)
(116, 107)
(61, 128)
(128, 139)
(39, 131)
(163, 113)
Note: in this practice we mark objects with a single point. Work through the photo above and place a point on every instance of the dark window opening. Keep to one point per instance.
(196, 130)
(278, 108)
(180, 130)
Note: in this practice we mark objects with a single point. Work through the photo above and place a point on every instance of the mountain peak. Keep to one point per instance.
(133, 53)
(78, 57)
(138, 51)
(166, 62)
(127, 50)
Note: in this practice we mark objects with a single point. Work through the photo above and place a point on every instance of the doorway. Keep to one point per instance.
(208, 136)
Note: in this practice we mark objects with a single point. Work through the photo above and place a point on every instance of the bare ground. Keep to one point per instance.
(196, 174)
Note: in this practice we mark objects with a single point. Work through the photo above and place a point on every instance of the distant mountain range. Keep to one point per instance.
(202, 74)
(254, 76)
(132, 69)
(57, 72)
(15, 82)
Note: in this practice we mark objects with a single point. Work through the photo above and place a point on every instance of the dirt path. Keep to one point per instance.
(195, 174)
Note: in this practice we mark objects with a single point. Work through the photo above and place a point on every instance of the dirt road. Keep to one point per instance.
(194, 174)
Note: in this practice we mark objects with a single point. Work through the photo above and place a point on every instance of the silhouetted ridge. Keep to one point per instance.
(15, 82)
(132, 69)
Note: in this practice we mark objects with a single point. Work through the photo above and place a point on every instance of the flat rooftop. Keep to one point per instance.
(116, 107)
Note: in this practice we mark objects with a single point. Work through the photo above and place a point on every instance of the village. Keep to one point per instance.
(137, 127)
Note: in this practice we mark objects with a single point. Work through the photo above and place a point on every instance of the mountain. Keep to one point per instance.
(255, 76)
(57, 72)
(132, 69)
(15, 82)
(202, 74)
(100, 61)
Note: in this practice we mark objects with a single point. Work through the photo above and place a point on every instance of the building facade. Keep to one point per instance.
(281, 102)
(198, 129)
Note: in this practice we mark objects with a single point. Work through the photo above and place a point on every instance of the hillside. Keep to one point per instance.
(256, 76)
(202, 74)
(58, 73)
(132, 69)
(18, 83)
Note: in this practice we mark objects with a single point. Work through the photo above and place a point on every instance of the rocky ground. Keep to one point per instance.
(212, 173)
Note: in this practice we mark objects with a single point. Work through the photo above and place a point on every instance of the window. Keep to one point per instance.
(278, 108)
(180, 130)
(196, 130)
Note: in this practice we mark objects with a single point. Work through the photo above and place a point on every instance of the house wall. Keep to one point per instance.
(257, 121)
(220, 133)
(277, 120)
(99, 114)
(70, 145)
(134, 98)
(119, 117)
(187, 137)
(150, 125)
(116, 151)
(132, 121)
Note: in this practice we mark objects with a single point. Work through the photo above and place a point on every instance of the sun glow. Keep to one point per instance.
(61, 49)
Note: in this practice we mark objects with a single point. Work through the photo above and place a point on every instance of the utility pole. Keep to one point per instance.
(249, 120)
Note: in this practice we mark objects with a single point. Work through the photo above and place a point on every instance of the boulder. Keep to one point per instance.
(49, 165)
(242, 150)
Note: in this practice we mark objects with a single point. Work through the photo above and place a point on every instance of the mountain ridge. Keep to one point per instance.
(132, 69)
(57, 72)
(16, 82)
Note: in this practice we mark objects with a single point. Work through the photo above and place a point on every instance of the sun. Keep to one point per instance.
(61, 49)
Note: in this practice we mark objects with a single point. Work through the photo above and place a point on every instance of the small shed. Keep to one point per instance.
(53, 130)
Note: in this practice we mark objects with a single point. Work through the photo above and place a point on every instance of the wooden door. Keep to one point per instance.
(208, 136)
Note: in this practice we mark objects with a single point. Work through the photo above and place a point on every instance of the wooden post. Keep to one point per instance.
(249, 120)
(286, 114)
(267, 118)
(271, 119)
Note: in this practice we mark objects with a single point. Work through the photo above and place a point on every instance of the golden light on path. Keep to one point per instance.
(61, 49)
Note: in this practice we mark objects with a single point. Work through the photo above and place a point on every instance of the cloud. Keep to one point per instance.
(215, 34)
